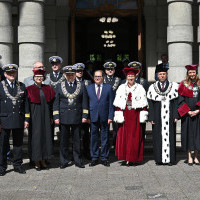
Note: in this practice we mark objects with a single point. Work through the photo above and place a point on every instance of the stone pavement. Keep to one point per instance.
(145, 181)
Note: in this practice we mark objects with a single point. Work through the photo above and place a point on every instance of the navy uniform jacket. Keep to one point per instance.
(103, 108)
(13, 116)
(70, 114)
(115, 83)
(53, 80)
(85, 81)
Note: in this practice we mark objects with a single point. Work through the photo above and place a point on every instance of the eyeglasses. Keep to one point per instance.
(110, 69)
(98, 76)
(39, 77)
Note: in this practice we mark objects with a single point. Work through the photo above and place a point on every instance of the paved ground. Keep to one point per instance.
(145, 181)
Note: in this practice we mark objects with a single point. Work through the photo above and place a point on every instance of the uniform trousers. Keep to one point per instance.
(86, 138)
(94, 143)
(17, 147)
(64, 143)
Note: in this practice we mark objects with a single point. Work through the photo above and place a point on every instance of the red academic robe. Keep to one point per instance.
(129, 144)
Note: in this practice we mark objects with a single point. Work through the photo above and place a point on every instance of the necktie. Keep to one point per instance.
(110, 79)
(70, 84)
(163, 86)
(98, 92)
(12, 85)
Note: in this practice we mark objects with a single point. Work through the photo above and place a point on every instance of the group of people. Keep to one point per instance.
(66, 99)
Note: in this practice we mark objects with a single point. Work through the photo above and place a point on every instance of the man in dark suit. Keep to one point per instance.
(70, 109)
(101, 115)
(56, 76)
(84, 126)
(14, 113)
(164, 64)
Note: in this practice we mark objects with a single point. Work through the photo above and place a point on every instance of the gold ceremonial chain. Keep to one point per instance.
(162, 93)
(52, 83)
(72, 96)
(13, 99)
(114, 87)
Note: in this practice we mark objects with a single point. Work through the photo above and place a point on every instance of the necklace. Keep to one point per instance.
(72, 96)
(13, 98)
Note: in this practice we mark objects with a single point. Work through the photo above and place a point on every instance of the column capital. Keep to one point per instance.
(39, 1)
(181, 1)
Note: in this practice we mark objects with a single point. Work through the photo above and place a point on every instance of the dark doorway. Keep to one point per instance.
(91, 46)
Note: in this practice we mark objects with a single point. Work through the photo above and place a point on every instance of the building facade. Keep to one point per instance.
(34, 30)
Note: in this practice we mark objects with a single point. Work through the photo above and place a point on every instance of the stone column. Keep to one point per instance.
(179, 37)
(31, 35)
(6, 32)
(198, 32)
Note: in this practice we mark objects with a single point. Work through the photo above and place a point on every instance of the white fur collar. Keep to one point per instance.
(155, 95)
(139, 99)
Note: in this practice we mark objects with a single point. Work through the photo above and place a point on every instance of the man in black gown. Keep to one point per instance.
(70, 110)
(163, 115)
(14, 113)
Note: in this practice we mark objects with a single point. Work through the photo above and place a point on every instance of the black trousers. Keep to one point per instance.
(64, 143)
(17, 147)
(86, 138)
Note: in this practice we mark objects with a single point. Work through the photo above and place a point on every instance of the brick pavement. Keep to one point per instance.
(145, 181)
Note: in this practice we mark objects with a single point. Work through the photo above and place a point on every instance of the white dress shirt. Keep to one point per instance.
(96, 88)
(71, 82)
(10, 83)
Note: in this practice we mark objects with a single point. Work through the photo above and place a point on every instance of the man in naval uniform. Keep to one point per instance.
(56, 76)
(85, 126)
(115, 82)
(70, 110)
(163, 115)
(14, 116)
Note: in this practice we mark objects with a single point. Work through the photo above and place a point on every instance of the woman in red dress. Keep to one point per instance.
(130, 103)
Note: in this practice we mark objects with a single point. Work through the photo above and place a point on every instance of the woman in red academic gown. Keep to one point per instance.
(41, 98)
(189, 110)
(130, 103)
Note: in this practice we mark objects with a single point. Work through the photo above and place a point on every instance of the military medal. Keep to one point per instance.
(72, 96)
(13, 98)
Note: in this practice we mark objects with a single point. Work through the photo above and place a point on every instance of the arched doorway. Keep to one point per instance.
(104, 29)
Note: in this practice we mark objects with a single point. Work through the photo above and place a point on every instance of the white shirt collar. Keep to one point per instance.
(9, 82)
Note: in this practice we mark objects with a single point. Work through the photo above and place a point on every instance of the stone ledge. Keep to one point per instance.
(184, 1)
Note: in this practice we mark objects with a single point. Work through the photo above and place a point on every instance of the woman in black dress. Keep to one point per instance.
(188, 108)
(41, 98)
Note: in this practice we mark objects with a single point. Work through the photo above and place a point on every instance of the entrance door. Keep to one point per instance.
(99, 41)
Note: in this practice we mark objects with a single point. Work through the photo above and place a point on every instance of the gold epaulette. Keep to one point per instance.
(85, 111)
(56, 112)
(27, 115)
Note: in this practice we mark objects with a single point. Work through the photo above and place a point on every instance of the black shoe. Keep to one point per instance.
(2, 173)
(80, 165)
(20, 170)
(44, 168)
(105, 163)
(159, 163)
(38, 168)
(31, 164)
(190, 164)
(93, 163)
(129, 164)
(170, 164)
(123, 163)
(63, 166)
